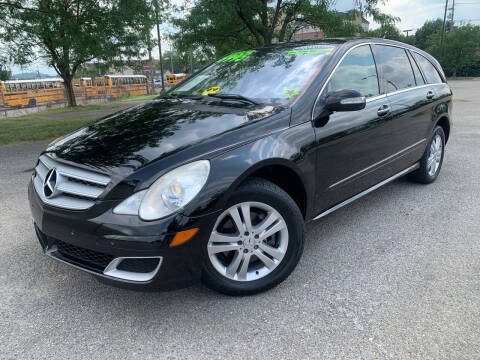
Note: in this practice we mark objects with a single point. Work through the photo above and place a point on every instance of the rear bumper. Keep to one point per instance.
(123, 250)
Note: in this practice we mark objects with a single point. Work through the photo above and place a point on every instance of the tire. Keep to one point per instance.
(32, 103)
(276, 235)
(426, 174)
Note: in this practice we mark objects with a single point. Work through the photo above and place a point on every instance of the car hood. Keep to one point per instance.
(132, 139)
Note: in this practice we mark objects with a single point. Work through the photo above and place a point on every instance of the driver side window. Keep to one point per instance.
(356, 72)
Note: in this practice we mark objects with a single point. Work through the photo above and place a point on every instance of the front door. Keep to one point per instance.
(353, 147)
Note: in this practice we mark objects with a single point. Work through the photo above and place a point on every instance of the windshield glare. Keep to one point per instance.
(267, 76)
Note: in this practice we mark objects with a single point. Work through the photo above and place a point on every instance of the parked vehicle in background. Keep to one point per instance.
(173, 79)
(216, 179)
(30, 93)
(125, 85)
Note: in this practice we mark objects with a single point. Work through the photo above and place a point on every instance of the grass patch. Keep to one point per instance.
(90, 107)
(137, 98)
(32, 128)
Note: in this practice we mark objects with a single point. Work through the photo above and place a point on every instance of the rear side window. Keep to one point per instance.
(416, 70)
(429, 70)
(396, 70)
(357, 72)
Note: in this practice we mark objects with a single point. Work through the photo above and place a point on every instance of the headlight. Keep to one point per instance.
(169, 193)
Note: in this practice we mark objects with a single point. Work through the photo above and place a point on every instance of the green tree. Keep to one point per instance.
(429, 28)
(388, 31)
(220, 26)
(183, 60)
(5, 74)
(461, 52)
(70, 33)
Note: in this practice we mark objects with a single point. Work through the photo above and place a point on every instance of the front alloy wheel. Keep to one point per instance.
(248, 242)
(256, 242)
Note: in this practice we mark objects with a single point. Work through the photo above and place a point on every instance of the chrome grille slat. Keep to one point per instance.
(41, 170)
(62, 201)
(76, 188)
(79, 189)
(75, 173)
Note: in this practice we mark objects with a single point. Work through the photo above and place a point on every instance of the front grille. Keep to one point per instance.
(139, 265)
(75, 188)
(85, 256)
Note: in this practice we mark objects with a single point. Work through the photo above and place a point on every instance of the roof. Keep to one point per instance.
(126, 76)
(33, 80)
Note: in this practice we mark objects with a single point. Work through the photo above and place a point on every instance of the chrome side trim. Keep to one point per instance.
(112, 271)
(369, 190)
(373, 98)
(378, 163)
(408, 89)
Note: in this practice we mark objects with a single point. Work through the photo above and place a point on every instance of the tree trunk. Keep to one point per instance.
(67, 82)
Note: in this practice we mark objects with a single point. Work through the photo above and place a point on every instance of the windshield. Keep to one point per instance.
(266, 76)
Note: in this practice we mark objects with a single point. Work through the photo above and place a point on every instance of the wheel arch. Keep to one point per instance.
(282, 173)
(445, 124)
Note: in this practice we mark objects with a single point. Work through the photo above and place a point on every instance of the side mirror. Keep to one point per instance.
(345, 100)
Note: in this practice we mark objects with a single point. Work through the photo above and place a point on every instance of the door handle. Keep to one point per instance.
(383, 110)
(430, 94)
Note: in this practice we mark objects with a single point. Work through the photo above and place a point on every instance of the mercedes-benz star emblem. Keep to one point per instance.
(50, 183)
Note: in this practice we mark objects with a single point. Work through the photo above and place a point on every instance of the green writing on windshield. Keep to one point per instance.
(290, 92)
(310, 51)
(236, 56)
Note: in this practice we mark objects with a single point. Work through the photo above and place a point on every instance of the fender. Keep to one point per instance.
(292, 148)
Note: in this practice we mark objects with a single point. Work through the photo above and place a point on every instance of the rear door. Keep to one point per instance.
(438, 92)
(410, 101)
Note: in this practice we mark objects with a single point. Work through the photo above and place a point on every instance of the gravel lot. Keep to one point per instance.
(395, 275)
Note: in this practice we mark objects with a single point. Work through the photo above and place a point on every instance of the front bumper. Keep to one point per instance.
(100, 242)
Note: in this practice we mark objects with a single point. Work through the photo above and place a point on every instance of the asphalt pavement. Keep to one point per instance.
(395, 275)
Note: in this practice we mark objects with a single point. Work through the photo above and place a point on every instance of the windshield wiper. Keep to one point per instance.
(234, 97)
(194, 97)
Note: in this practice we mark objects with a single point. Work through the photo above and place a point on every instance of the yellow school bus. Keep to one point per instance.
(173, 79)
(124, 85)
(29, 93)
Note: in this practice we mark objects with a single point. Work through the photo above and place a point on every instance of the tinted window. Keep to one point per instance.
(396, 69)
(269, 75)
(416, 71)
(356, 71)
(428, 69)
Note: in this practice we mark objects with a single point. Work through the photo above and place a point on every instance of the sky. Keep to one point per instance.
(413, 13)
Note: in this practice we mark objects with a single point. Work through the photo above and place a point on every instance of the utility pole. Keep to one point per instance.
(407, 31)
(150, 76)
(452, 14)
(191, 63)
(159, 45)
(443, 27)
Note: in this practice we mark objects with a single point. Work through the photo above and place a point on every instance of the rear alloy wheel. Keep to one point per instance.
(431, 162)
(256, 242)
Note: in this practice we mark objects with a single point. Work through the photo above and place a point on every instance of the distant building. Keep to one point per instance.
(306, 31)
(356, 18)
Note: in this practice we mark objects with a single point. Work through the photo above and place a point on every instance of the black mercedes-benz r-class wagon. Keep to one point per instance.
(215, 179)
